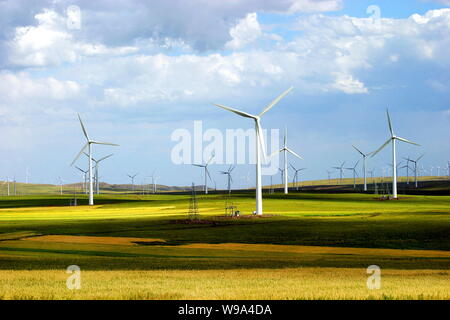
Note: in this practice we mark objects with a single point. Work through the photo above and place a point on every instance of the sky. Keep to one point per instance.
(138, 71)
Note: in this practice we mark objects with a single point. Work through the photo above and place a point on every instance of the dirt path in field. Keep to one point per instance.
(92, 240)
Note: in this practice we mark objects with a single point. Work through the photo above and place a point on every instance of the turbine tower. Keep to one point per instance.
(132, 180)
(260, 148)
(364, 155)
(228, 173)
(393, 139)
(88, 145)
(341, 171)
(354, 173)
(285, 151)
(295, 179)
(207, 175)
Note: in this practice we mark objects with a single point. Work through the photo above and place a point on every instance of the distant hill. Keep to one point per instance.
(427, 185)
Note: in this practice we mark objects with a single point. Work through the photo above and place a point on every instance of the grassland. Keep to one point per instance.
(308, 246)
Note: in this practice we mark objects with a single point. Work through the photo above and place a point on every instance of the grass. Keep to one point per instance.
(307, 246)
(253, 284)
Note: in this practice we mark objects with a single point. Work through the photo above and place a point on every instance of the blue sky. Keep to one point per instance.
(137, 71)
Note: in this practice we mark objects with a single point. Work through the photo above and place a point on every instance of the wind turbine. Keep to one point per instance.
(285, 151)
(281, 175)
(408, 160)
(88, 145)
(354, 173)
(228, 173)
(132, 180)
(341, 171)
(393, 139)
(260, 148)
(7, 183)
(85, 172)
(448, 167)
(96, 170)
(207, 175)
(295, 179)
(415, 162)
(60, 180)
(364, 155)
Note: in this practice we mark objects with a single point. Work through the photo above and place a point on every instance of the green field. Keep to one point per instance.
(307, 246)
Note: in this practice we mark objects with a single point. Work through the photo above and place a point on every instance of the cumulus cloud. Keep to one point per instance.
(22, 87)
(246, 31)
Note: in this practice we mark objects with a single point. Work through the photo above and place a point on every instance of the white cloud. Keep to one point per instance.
(50, 43)
(22, 87)
(346, 83)
(246, 31)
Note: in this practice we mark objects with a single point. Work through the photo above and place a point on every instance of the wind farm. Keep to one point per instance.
(189, 185)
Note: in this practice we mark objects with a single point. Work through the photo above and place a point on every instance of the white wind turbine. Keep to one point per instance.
(364, 155)
(285, 151)
(228, 173)
(393, 139)
(132, 180)
(341, 171)
(416, 162)
(296, 174)
(97, 181)
(260, 148)
(88, 145)
(7, 183)
(60, 181)
(85, 173)
(354, 173)
(207, 175)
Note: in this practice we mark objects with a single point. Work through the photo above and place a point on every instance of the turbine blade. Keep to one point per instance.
(241, 113)
(108, 156)
(293, 153)
(293, 167)
(276, 152)
(389, 122)
(381, 148)
(359, 151)
(422, 157)
(79, 153)
(274, 102)
(207, 172)
(83, 128)
(199, 165)
(407, 141)
(105, 143)
(212, 157)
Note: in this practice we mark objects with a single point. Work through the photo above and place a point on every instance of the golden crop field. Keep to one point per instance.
(309, 247)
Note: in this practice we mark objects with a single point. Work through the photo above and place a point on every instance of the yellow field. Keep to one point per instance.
(297, 283)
